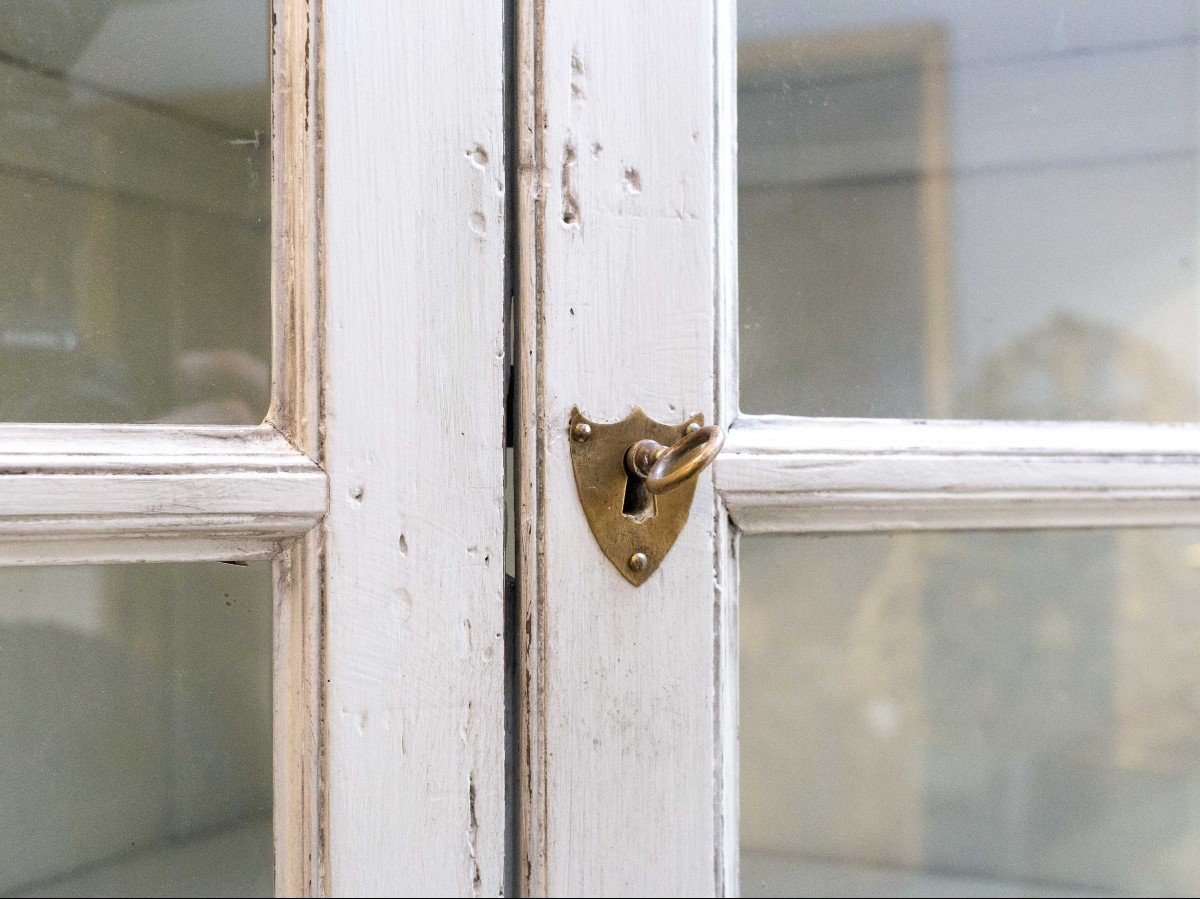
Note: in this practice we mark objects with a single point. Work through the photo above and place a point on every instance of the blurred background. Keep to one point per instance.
(969, 209)
(135, 179)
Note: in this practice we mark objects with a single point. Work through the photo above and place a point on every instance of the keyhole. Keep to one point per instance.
(639, 502)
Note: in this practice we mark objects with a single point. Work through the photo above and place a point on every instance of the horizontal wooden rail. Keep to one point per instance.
(798, 475)
(130, 493)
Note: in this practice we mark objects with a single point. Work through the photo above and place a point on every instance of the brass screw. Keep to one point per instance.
(638, 562)
(581, 432)
(693, 427)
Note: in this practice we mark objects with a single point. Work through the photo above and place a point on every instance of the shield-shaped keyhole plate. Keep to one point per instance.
(626, 521)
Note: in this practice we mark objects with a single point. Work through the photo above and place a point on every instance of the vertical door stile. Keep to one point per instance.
(622, 270)
(725, 363)
(300, 820)
(414, 447)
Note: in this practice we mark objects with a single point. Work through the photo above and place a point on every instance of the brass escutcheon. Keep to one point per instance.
(636, 479)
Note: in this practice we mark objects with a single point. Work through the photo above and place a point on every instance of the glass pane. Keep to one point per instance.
(994, 713)
(134, 210)
(969, 209)
(135, 730)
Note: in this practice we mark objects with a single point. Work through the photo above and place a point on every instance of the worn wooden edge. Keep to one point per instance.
(795, 475)
(300, 732)
(107, 549)
(530, 440)
(726, 853)
(300, 816)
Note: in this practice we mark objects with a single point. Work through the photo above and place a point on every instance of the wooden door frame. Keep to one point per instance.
(390, 354)
(376, 482)
(626, 223)
(626, 273)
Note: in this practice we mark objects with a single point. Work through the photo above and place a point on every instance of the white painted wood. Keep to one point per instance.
(414, 447)
(610, 318)
(389, 734)
(794, 475)
(88, 493)
(623, 756)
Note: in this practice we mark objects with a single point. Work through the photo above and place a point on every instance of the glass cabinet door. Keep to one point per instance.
(979, 211)
(135, 725)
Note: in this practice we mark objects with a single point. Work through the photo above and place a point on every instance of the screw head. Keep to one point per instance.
(638, 562)
(582, 431)
(693, 427)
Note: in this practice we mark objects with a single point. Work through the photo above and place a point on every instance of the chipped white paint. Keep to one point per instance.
(627, 234)
(297, 184)
(796, 475)
(414, 448)
(623, 755)
(91, 493)
(389, 733)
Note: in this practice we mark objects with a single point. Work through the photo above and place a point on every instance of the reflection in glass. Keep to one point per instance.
(969, 209)
(1000, 713)
(135, 730)
(134, 210)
